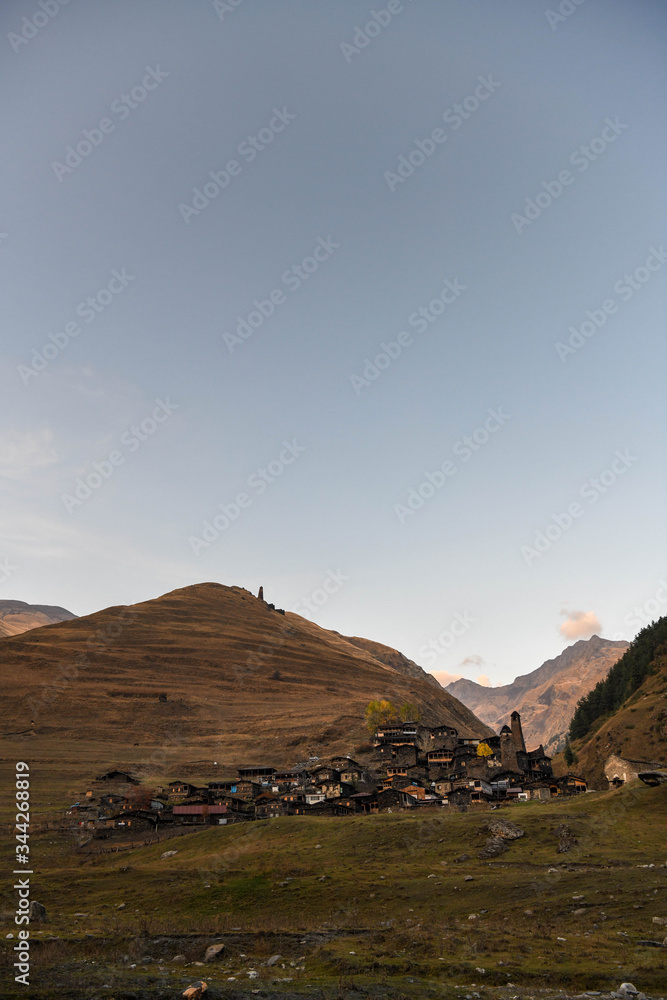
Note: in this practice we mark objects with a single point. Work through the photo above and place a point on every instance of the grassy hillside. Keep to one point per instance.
(240, 682)
(379, 899)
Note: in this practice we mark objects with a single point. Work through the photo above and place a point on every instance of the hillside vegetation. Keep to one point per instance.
(624, 678)
(637, 728)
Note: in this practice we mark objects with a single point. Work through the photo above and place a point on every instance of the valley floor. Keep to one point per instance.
(392, 906)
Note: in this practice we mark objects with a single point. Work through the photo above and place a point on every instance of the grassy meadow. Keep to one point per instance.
(360, 904)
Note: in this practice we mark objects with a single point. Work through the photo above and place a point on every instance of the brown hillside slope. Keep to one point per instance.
(546, 697)
(636, 731)
(17, 616)
(392, 657)
(242, 681)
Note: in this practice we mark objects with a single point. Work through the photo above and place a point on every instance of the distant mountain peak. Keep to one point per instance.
(547, 696)
(17, 617)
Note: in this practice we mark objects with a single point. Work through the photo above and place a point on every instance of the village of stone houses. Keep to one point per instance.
(407, 766)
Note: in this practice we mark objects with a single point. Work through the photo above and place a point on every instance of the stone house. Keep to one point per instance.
(240, 805)
(243, 788)
(386, 753)
(314, 795)
(288, 777)
(177, 789)
(268, 806)
(324, 773)
(365, 802)
(438, 732)
(345, 763)
(570, 784)
(441, 756)
(260, 772)
(294, 796)
(539, 763)
(480, 790)
(136, 821)
(618, 770)
(111, 802)
(334, 789)
(416, 791)
(117, 777)
(199, 812)
(397, 770)
(392, 799)
(352, 774)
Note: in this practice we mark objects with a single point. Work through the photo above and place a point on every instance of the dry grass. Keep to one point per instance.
(376, 899)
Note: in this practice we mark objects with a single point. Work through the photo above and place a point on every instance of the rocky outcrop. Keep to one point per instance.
(566, 839)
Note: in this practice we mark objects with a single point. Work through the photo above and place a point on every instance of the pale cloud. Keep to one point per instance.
(579, 625)
(475, 660)
(483, 680)
(36, 538)
(444, 678)
(23, 452)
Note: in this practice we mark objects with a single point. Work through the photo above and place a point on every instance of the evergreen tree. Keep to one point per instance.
(622, 680)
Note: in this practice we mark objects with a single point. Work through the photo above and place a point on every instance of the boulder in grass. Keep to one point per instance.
(195, 991)
(213, 952)
(493, 847)
(37, 912)
(627, 991)
(504, 828)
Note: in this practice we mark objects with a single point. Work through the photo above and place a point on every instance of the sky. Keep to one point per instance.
(363, 303)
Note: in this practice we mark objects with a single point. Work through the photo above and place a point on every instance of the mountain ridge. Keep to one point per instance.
(17, 617)
(547, 696)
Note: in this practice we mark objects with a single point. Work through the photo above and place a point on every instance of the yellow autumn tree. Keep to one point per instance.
(379, 713)
(484, 750)
(409, 712)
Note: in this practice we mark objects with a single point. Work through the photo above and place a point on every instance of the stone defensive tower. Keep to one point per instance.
(507, 750)
(517, 732)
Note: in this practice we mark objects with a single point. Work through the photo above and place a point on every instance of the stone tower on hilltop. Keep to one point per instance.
(260, 595)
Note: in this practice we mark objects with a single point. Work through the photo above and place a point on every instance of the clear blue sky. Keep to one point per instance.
(368, 167)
